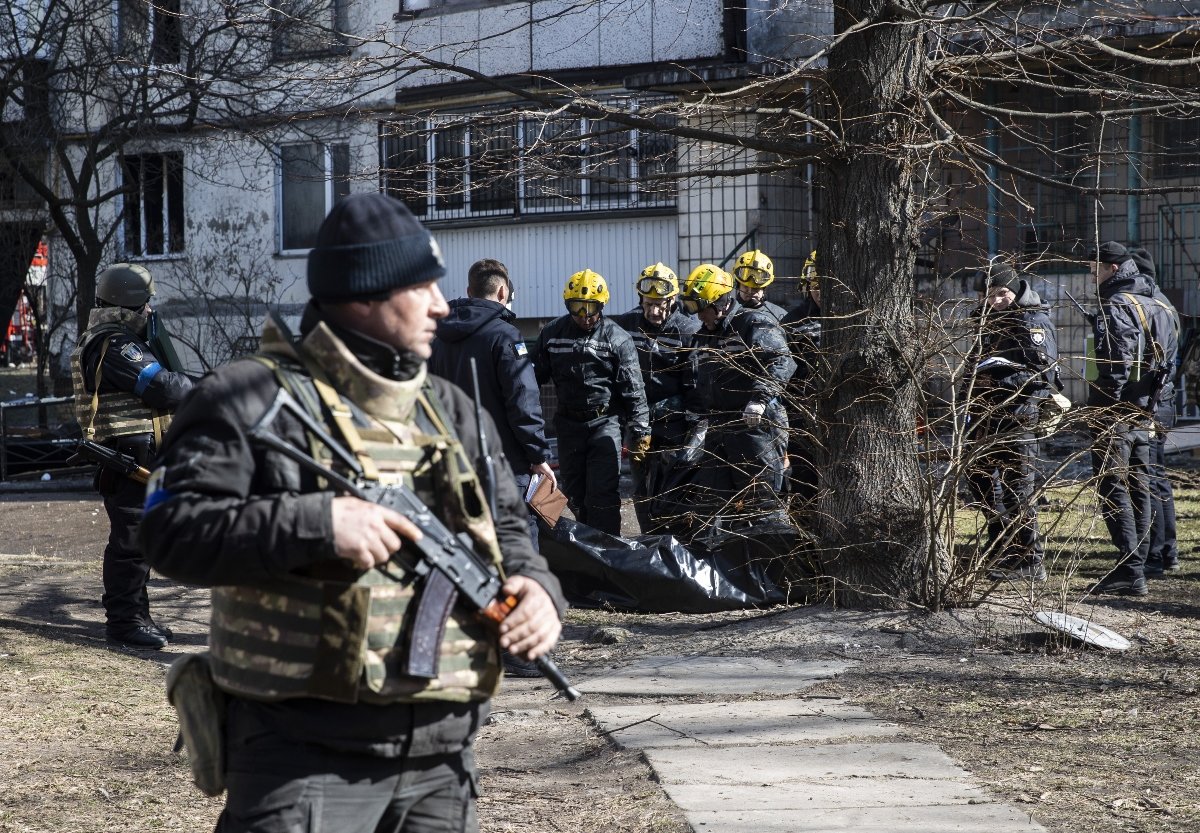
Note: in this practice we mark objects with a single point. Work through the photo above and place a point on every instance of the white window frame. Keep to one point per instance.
(164, 220)
(330, 190)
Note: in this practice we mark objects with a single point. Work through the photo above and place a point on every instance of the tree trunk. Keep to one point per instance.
(877, 536)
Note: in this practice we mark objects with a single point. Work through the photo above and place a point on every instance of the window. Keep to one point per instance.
(153, 203)
(150, 31)
(509, 164)
(307, 28)
(312, 177)
(412, 8)
(1177, 146)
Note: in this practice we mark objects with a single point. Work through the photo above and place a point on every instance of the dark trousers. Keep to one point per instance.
(276, 785)
(589, 468)
(666, 439)
(1002, 477)
(522, 486)
(752, 459)
(125, 570)
(1121, 462)
(1164, 550)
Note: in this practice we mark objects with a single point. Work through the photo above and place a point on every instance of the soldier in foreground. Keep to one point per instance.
(327, 726)
(124, 399)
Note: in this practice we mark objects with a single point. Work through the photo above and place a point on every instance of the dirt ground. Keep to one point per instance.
(1085, 740)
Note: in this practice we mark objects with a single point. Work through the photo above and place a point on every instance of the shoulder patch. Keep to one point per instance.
(132, 352)
(1037, 335)
(520, 349)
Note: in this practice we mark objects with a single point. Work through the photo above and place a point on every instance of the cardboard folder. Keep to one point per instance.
(547, 500)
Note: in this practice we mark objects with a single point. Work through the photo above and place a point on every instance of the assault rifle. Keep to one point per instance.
(1089, 316)
(445, 561)
(87, 451)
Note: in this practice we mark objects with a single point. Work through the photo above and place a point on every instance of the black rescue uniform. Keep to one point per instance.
(124, 399)
(669, 376)
(1013, 369)
(1125, 332)
(802, 325)
(325, 729)
(746, 359)
(599, 383)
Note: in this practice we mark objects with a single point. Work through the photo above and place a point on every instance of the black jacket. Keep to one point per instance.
(508, 390)
(802, 325)
(1013, 360)
(130, 366)
(226, 512)
(745, 359)
(595, 373)
(1125, 356)
(665, 356)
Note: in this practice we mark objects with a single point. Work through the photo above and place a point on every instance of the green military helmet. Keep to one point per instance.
(125, 285)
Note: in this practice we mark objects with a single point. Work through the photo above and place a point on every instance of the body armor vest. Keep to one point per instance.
(345, 640)
(104, 416)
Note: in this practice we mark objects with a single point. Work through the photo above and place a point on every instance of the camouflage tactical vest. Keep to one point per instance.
(346, 640)
(103, 416)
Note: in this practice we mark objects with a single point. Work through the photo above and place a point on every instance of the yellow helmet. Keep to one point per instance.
(706, 285)
(658, 282)
(586, 286)
(586, 293)
(754, 269)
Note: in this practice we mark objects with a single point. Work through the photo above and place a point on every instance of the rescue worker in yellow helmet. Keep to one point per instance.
(744, 363)
(594, 367)
(753, 273)
(802, 324)
(663, 336)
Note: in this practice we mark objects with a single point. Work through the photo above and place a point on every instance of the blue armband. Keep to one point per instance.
(146, 377)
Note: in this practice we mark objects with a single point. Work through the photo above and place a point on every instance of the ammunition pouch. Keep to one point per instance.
(200, 706)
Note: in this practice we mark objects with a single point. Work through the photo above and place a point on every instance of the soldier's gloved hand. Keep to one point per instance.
(752, 414)
(641, 447)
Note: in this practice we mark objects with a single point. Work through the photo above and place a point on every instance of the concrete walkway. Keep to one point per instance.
(783, 763)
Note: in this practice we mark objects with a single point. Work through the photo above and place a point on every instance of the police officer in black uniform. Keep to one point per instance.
(594, 367)
(1131, 368)
(481, 327)
(744, 364)
(1012, 369)
(1164, 549)
(327, 726)
(663, 336)
(124, 398)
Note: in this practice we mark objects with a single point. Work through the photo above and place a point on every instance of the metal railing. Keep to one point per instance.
(36, 435)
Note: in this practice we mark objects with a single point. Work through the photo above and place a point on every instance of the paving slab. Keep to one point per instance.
(717, 676)
(738, 723)
(973, 818)
(845, 793)
(794, 763)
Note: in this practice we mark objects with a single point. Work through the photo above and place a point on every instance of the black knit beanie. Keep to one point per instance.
(1111, 252)
(1002, 274)
(369, 245)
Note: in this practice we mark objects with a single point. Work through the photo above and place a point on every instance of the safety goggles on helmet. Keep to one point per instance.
(754, 269)
(585, 309)
(692, 304)
(657, 287)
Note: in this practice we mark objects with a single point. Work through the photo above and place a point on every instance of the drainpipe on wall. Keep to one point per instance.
(993, 195)
(1133, 202)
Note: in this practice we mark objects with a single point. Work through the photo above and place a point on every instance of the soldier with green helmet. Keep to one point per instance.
(124, 397)
(327, 726)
